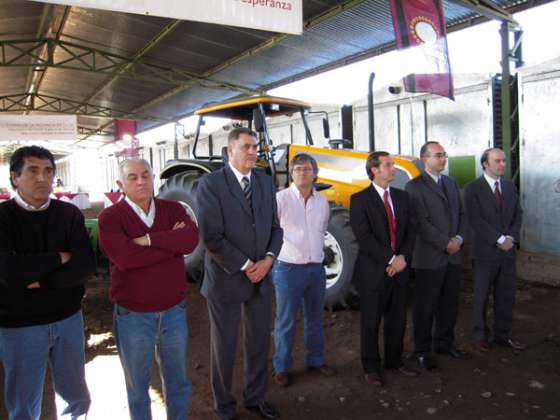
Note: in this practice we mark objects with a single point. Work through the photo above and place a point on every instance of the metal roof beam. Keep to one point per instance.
(487, 9)
(310, 23)
(28, 53)
(27, 102)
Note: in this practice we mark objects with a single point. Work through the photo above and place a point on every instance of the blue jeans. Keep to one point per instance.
(25, 353)
(294, 284)
(138, 335)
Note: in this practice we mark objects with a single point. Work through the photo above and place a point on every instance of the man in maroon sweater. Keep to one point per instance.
(144, 239)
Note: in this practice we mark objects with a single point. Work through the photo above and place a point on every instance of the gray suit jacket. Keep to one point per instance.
(440, 216)
(232, 233)
(488, 222)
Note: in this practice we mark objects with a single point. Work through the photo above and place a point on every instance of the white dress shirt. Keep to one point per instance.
(381, 192)
(304, 225)
(26, 206)
(240, 176)
(148, 219)
(492, 183)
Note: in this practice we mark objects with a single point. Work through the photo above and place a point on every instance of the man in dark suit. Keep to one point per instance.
(495, 218)
(382, 220)
(240, 230)
(437, 258)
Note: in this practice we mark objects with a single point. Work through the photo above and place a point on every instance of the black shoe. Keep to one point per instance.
(510, 342)
(426, 362)
(265, 409)
(454, 352)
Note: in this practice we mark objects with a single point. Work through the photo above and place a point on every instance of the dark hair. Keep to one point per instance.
(302, 158)
(424, 148)
(236, 132)
(374, 162)
(17, 160)
(484, 157)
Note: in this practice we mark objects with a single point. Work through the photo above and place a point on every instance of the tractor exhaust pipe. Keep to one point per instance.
(370, 113)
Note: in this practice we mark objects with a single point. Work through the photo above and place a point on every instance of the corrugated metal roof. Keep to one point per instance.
(234, 55)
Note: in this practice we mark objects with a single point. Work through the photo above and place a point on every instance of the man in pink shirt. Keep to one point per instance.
(298, 274)
(144, 239)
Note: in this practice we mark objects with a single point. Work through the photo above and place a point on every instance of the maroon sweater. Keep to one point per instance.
(147, 279)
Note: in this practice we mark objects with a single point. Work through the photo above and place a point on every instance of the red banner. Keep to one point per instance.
(421, 24)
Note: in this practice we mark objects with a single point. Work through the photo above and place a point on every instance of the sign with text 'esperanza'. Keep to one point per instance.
(268, 15)
(38, 127)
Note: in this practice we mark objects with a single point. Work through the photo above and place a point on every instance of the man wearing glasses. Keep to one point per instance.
(298, 274)
(437, 257)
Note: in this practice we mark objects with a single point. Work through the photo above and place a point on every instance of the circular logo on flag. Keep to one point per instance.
(423, 30)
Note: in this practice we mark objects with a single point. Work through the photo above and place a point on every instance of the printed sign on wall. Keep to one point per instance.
(38, 127)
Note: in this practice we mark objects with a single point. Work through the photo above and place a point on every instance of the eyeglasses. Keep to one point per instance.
(438, 155)
(300, 169)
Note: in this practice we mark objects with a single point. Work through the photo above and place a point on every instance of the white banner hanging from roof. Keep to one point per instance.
(38, 127)
(268, 15)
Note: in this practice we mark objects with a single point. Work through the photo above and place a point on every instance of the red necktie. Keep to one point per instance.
(498, 194)
(390, 218)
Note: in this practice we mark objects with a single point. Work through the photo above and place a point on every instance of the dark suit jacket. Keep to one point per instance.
(232, 233)
(488, 223)
(439, 216)
(371, 228)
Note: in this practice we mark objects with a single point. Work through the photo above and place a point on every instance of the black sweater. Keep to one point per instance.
(30, 242)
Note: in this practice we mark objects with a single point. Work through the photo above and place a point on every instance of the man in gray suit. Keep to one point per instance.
(437, 257)
(495, 218)
(239, 227)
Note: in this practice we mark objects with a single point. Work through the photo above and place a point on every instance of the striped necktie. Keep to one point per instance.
(247, 191)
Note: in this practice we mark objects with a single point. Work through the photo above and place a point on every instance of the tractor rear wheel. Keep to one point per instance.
(182, 188)
(341, 250)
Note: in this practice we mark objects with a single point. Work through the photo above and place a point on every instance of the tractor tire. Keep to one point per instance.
(182, 188)
(341, 250)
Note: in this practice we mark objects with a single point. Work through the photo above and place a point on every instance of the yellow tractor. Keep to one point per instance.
(341, 174)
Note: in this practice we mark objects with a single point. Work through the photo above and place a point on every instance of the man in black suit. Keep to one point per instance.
(382, 220)
(437, 258)
(495, 218)
(240, 230)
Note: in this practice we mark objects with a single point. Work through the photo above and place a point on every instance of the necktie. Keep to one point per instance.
(440, 183)
(247, 189)
(498, 194)
(390, 219)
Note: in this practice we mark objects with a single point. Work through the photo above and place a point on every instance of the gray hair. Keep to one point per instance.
(126, 162)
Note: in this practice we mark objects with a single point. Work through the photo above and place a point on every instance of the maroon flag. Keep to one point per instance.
(421, 24)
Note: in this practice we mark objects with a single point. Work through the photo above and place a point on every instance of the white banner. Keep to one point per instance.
(38, 127)
(268, 15)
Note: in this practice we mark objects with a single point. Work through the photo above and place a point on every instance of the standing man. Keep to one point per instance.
(495, 218)
(45, 260)
(144, 239)
(382, 220)
(298, 274)
(437, 257)
(240, 229)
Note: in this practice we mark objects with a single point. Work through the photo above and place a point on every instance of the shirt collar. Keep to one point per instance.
(491, 181)
(434, 177)
(26, 206)
(238, 174)
(297, 192)
(381, 191)
(139, 210)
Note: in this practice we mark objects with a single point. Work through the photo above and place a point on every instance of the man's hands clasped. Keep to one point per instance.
(256, 271)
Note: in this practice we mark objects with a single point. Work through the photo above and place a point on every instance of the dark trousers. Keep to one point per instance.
(387, 302)
(498, 276)
(256, 317)
(435, 308)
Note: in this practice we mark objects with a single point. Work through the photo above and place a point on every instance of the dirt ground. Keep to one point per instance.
(502, 384)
